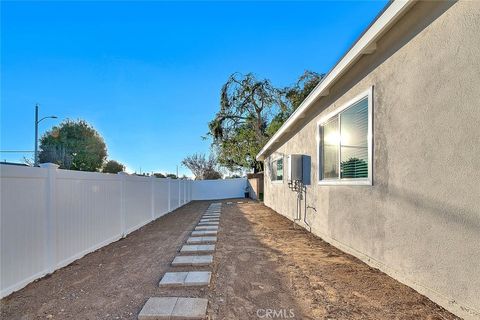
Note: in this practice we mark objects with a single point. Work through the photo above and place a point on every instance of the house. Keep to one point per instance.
(382, 159)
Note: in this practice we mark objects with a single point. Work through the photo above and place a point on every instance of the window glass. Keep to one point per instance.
(330, 148)
(354, 141)
(344, 144)
(279, 169)
(276, 169)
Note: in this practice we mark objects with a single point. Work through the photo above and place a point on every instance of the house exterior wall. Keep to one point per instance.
(420, 220)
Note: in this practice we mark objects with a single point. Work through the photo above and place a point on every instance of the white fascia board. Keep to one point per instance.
(363, 46)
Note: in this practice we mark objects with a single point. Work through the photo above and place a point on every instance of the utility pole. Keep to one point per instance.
(35, 156)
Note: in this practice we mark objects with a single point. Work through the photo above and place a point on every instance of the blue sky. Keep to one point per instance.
(147, 75)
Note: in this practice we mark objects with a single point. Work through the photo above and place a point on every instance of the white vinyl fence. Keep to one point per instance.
(51, 217)
(219, 189)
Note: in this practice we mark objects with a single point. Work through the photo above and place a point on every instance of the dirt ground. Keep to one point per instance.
(263, 268)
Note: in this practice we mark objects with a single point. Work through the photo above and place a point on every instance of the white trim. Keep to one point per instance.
(350, 182)
(363, 46)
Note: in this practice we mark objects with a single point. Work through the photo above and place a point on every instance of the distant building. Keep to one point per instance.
(14, 164)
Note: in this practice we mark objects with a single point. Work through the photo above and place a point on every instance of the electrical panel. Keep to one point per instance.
(295, 167)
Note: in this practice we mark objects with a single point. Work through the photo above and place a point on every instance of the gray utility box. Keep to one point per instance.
(295, 167)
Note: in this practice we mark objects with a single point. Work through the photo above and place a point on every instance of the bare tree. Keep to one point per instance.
(202, 167)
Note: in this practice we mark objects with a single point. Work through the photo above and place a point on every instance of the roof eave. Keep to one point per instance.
(366, 44)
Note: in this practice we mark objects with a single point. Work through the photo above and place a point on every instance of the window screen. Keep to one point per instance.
(344, 149)
(354, 141)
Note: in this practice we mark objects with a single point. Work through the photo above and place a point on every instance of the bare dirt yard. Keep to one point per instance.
(263, 268)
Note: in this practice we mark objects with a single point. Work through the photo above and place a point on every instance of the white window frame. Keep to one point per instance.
(348, 181)
(275, 159)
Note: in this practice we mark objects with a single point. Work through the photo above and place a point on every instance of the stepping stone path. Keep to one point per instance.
(180, 307)
(174, 308)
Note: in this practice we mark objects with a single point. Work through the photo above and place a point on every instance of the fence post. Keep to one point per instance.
(152, 196)
(169, 196)
(51, 221)
(123, 182)
(185, 191)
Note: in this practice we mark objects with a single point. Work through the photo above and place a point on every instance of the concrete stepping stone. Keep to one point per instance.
(197, 248)
(174, 308)
(209, 219)
(180, 261)
(204, 233)
(190, 308)
(186, 279)
(199, 228)
(211, 216)
(208, 223)
(195, 240)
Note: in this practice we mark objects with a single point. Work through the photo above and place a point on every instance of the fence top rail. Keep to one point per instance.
(8, 171)
(84, 175)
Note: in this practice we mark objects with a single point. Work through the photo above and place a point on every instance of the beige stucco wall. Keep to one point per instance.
(420, 221)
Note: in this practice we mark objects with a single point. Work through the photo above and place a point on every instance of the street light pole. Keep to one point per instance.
(35, 162)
